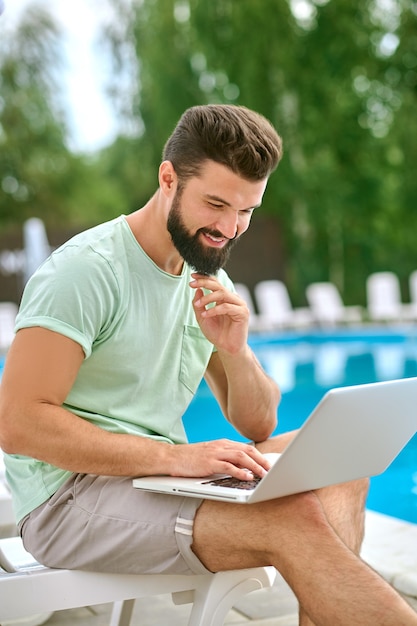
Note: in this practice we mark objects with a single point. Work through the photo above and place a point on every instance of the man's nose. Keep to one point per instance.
(228, 226)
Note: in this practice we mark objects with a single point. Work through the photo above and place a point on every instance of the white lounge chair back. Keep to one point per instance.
(36, 245)
(413, 287)
(383, 296)
(325, 302)
(274, 305)
(328, 307)
(273, 301)
(242, 290)
(8, 312)
(257, 322)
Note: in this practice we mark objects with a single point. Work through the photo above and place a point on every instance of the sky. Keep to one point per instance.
(91, 122)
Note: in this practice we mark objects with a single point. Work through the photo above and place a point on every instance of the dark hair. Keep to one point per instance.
(234, 136)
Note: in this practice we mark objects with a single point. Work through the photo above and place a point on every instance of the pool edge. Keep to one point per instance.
(390, 547)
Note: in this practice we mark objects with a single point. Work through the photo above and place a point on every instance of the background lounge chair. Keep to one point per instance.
(36, 245)
(384, 301)
(412, 285)
(257, 322)
(274, 305)
(328, 307)
(8, 312)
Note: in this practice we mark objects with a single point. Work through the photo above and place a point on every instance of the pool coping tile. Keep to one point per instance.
(390, 547)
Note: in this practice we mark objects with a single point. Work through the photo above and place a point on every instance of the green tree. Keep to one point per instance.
(39, 176)
(332, 83)
(32, 127)
(397, 244)
(338, 80)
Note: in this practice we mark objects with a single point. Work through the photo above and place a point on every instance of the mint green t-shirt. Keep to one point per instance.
(145, 354)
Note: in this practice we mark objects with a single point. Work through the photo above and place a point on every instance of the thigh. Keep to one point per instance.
(102, 523)
(237, 536)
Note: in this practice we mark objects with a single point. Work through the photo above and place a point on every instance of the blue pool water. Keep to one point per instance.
(306, 366)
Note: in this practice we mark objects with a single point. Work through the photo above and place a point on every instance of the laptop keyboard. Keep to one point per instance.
(230, 481)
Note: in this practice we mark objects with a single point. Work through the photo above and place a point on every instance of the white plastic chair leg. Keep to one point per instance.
(213, 601)
(121, 614)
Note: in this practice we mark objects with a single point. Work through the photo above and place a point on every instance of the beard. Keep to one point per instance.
(203, 259)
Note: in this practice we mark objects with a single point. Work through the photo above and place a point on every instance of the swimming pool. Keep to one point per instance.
(306, 366)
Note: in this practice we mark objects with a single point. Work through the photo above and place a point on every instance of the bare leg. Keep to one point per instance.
(313, 540)
(344, 506)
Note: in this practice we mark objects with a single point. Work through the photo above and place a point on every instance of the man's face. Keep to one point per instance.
(209, 214)
(204, 259)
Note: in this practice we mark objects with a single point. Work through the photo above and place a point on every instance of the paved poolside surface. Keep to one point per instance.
(390, 546)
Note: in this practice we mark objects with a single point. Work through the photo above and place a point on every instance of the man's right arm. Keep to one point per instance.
(41, 367)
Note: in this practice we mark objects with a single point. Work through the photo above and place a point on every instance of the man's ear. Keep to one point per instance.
(168, 179)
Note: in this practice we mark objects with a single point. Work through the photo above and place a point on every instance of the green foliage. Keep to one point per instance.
(39, 176)
(342, 105)
(339, 83)
(33, 159)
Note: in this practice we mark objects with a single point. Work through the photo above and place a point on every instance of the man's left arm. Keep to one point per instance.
(247, 395)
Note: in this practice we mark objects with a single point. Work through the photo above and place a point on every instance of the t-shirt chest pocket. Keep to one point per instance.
(195, 355)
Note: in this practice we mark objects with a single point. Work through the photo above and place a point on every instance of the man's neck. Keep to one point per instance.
(148, 226)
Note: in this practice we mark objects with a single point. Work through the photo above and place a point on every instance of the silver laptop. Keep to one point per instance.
(354, 432)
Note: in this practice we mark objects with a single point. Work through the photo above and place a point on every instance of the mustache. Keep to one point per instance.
(217, 233)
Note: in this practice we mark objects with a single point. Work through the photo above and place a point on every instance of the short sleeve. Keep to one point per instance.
(75, 293)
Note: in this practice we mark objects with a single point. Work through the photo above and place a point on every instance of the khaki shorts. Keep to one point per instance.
(101, 523)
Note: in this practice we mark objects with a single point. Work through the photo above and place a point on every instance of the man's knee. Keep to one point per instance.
(363, 485)
(352, 493)
(261, 532)
(356, 491)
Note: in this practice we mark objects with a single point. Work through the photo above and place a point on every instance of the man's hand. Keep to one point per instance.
(221, 456)
(226, 323)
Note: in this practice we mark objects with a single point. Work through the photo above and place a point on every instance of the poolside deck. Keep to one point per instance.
(390, 546)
